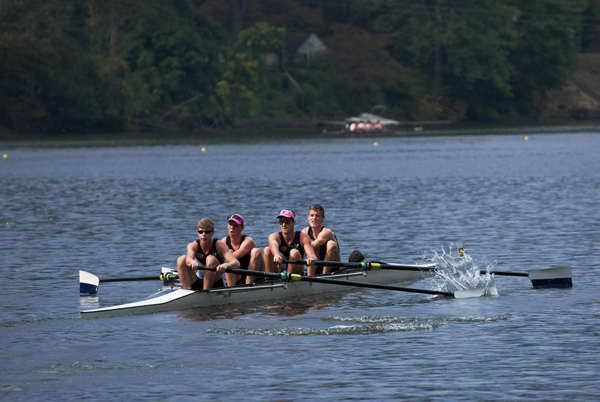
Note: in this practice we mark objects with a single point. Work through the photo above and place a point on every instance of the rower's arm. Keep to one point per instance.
(190, 258)
(247, 245)
(323, 238)
(308, 249)
(274, 245)
(223, 251)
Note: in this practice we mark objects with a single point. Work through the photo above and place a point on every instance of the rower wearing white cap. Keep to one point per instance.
(288, 244)
(244, 249)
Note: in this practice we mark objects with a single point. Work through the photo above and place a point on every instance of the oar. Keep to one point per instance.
(286, 277)
(559, 277)
(88, 282)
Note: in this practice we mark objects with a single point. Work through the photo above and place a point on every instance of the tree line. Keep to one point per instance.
(103, 64)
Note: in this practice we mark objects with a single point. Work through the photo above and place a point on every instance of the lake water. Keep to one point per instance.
(128, 206)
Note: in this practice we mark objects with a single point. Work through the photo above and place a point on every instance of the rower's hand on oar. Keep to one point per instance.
(310, 261)
(277, 259)
(194, 265)
(222, 267)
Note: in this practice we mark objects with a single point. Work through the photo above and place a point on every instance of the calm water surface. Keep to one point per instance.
(129, 206)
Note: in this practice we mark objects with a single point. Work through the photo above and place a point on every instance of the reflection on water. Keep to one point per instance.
(282, 308)
(89, 302)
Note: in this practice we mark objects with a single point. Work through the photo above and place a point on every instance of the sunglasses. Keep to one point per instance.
(204, 231)
(288, 221)
(316, 207)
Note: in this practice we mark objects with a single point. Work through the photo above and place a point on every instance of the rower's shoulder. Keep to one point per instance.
(248, 239)
(325, 231)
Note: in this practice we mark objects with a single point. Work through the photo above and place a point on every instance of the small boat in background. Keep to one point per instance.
(365, 133)
(373, 125)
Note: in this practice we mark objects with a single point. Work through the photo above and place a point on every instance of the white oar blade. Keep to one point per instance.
(88, 284)
(559, 277)
(477, 292)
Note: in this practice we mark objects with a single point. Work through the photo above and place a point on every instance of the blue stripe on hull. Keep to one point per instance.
(552, 283)
(86, 289)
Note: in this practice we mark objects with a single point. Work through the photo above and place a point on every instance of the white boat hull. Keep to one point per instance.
(180, 299)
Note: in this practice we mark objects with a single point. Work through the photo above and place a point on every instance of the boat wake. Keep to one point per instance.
(392, 319)
(362, 326)
(363, 329)
(454, 272)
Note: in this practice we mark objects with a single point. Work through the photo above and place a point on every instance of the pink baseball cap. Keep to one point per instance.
(237, 218)
(286, 213)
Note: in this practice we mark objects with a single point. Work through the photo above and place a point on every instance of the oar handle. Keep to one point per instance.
(329, 263)
(366, 265)
(245, 272)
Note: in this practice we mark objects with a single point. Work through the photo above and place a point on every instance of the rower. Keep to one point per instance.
(323, 240)
(205, 252)
(288, 245)
(244, 249)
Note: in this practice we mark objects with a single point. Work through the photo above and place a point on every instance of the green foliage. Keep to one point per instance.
(68, 65)
(590, 38)
(45, 71)
(166, 54)
(245, 70)
(549, 37)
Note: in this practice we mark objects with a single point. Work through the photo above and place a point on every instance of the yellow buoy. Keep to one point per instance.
(203, 149)
(526, 138)
(375, 143)
(5, 156)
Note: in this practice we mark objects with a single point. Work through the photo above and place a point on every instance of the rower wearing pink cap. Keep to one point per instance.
(244, 249)
(288, 244)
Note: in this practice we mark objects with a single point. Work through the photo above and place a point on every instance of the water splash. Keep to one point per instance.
(454, 272)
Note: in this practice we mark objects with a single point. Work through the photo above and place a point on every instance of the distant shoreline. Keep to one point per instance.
(269, 124)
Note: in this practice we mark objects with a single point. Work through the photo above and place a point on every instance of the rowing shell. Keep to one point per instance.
(175, 298)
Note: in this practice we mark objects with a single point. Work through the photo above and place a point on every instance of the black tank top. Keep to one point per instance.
(213, 251)
(323, 249)
(284, 247)
(244, 260)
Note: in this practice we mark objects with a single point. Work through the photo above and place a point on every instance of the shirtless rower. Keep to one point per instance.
(323, 240)
(244, 249)
(205, 252)
(288, 245)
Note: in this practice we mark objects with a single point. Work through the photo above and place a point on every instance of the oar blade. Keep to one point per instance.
(559, 277)
(88, 284)
(477, 292)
